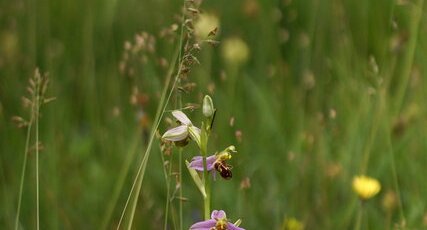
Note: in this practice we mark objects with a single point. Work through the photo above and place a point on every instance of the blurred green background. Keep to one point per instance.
(329, 88)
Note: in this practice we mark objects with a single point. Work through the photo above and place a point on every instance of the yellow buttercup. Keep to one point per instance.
(366, 187)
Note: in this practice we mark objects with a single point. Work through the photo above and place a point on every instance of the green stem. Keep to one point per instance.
(180, 212)
(359, 217)
(208, 194)
(167, 179)
(135, 200)
(373, 131)
(405, 72)
(37, 156)
(206, 200)
(409, 55)
(24, 166)
(159, 114)
(164, 101)
(130, 156)
(206, 182)
(394, 175)
(396, 185)
(180, 188)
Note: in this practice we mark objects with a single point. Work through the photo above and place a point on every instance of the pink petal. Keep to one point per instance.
(218, 214)
(203, 225)
(197, 163)
(231, 226)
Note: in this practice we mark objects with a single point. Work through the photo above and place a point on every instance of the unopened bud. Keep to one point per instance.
(208, 107)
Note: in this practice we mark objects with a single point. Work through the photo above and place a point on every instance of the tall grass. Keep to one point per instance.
(309, 108)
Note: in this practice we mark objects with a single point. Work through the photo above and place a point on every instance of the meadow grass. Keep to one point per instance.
(331, 89)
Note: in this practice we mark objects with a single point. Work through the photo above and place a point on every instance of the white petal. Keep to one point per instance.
(196, 130)
(180, 116)
(194, 133)
(176, 134)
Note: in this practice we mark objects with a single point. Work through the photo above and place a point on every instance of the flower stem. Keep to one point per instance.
(359, 216)
(206, 182)
(207, 201)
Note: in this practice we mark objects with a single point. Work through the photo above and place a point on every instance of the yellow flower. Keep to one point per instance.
(292, 224)
(235, 51)
(366, 187)
(204, 24)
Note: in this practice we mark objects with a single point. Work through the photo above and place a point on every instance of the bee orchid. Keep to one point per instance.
(216, 161)
(181, 134)
(218, 221)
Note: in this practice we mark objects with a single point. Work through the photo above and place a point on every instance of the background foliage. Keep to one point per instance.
(330, 88)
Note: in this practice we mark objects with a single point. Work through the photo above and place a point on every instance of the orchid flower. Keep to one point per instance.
(182, 133)
(218, 221)
(216, 161)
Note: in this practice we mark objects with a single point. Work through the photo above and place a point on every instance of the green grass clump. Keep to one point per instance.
(329, 90)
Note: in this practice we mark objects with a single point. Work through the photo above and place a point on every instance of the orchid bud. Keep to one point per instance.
(208, 107)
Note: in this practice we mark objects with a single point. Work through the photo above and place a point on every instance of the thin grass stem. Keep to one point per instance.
(405, 73)
(409, 55)
(164, 101)
(121, 180)
(167, 180)
(359, 216)
(396, 182)
(179, 105)
(372, 134)
(37, 155)
(24, 166)
(180, 189)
